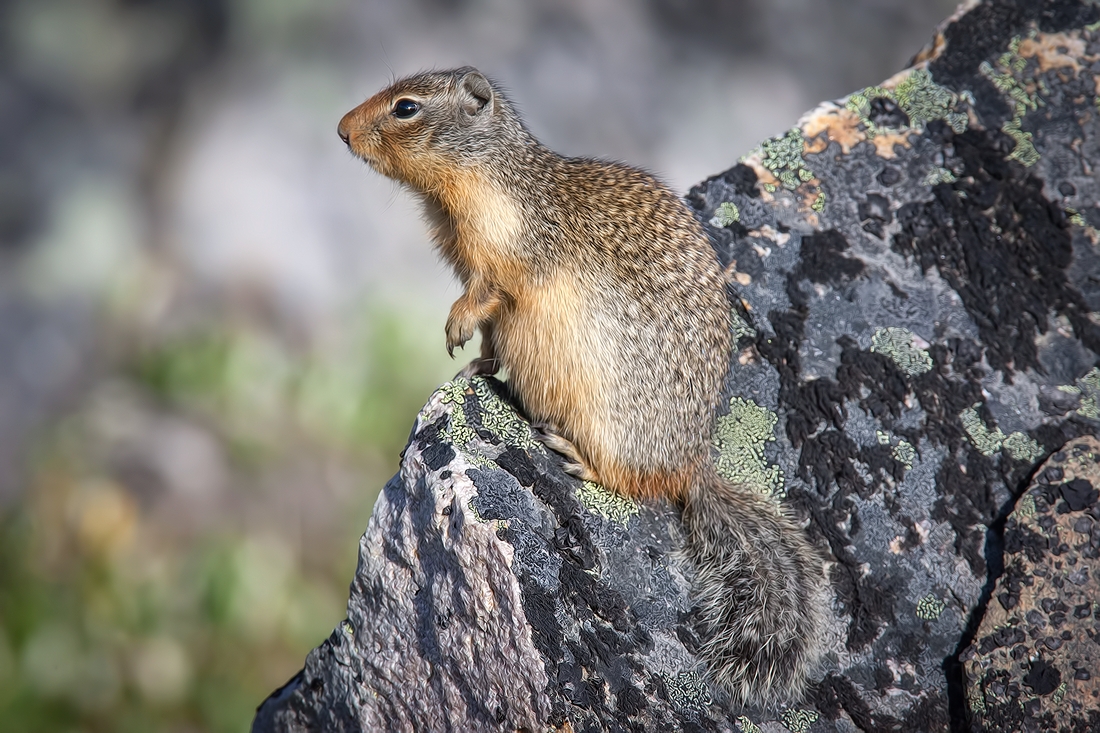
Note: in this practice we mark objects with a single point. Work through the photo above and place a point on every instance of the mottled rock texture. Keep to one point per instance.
(916, 280)
(1036, 658)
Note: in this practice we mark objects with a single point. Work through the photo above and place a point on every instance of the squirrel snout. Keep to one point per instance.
(343, 133)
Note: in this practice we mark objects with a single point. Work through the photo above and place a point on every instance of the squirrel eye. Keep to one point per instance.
(405, 108)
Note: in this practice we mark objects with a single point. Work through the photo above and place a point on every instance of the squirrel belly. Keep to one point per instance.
(597, 290)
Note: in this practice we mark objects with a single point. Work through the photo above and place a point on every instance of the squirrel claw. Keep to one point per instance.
(457, 336)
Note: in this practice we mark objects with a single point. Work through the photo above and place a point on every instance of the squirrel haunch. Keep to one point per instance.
(597, 290)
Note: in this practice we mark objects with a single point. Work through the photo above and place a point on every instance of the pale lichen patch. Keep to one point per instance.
(607, 504)
(905, 454)
(741, 328)
(1022, 447)
(899, 344)
(497, 416)
(929, 608)
(783, 157)
(799, 721)
(740, 438)
(1023, 95)
(1088, 387)
(687, 690)
(746, 725)
(918, 96)
(726, 214)
(985, 440)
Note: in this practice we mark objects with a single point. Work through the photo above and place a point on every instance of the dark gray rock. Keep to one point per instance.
(915, 274)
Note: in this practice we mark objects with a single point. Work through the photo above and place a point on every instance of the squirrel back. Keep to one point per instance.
(597, 290)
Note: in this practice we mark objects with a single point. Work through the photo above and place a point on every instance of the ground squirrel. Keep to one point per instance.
(598, 292)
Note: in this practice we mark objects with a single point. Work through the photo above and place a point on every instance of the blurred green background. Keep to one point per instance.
(216, 327)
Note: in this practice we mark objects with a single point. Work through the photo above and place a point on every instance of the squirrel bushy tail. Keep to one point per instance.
(759, 588)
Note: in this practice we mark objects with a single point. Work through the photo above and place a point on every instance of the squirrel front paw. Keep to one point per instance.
(460, 329)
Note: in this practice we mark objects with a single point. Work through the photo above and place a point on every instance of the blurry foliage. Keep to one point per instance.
(113, 620)
(363, 399)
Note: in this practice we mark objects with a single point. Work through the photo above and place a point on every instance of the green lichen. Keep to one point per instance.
(727, 214)
(741, 328)
(1059, 694)
(740, 437)
(1025, 508)
(929, 608)
(977, 701)
(938, 175)
(347, 628)
(819, 203)
(1018, 445)
(687, 690)
(500, 417)
(1088, 387)
(1023, 448)
(1025, 151)
(496, 415)
(897, 344)
(783, 157)
(747, 726)
(923, 100)
(799, 721)
(985, 440)
(458, 432)
(920, 98)
(609, 505)
(1004, 76)
(905, 454)
(1073, 216)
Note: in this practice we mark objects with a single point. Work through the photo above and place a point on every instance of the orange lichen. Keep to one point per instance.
(840, 125)
(1054, 50)
(885, 142)
(931, 51)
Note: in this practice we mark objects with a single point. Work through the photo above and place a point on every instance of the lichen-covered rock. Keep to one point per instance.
(494, 592)
(1035, 661)
(917, 288)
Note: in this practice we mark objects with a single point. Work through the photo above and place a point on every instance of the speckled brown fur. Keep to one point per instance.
(598, 292)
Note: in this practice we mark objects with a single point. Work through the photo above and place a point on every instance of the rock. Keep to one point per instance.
(916, 278)
(1036, 655)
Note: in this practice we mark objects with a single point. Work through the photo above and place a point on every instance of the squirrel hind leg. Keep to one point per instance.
(480, 367)
(575, 465)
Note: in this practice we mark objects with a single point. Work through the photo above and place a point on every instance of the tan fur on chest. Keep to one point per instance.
(560, 361)
(477, 229)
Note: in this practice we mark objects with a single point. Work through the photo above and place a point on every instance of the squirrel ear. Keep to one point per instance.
(476, 93)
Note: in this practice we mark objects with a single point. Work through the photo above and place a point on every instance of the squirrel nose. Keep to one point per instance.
(343, 133)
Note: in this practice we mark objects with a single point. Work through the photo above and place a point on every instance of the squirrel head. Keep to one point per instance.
(424, 128)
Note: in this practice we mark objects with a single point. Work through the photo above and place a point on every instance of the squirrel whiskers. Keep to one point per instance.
(597, 290)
